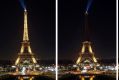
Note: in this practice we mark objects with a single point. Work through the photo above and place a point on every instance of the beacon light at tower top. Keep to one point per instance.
(25, 10)
(86, 13)
(88, 5)
(22, 4)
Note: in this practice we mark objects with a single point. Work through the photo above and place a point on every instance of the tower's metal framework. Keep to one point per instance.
(86, 55)
(26, 55)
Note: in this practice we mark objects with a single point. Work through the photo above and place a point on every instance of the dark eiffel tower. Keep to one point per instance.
(86, 55)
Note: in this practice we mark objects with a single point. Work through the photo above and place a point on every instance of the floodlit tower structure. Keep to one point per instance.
(86, 59)
(25, 56)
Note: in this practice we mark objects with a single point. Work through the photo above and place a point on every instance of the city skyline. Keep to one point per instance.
(58, 40)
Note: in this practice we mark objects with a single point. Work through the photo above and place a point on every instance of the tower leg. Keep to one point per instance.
(82, 78)
(31, 78)
(91, 78)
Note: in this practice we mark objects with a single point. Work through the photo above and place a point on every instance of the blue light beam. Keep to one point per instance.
(22, 4)
(88, 5)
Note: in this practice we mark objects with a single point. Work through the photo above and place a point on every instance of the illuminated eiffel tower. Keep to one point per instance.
(86, 56)
(25, 56)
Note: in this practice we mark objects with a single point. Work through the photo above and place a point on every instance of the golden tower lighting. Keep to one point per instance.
(25, 54)
(86, 53)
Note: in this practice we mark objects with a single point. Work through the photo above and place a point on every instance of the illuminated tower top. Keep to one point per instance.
(25, 34)
(86, 13)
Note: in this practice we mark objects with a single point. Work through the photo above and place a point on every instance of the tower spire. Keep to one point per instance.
(86, 32)
(25, 34)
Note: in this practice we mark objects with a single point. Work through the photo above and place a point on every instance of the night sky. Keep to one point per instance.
(41, 21)
(102, 25)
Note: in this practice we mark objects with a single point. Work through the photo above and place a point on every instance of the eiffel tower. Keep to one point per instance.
(25, 56)
(86, 56)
